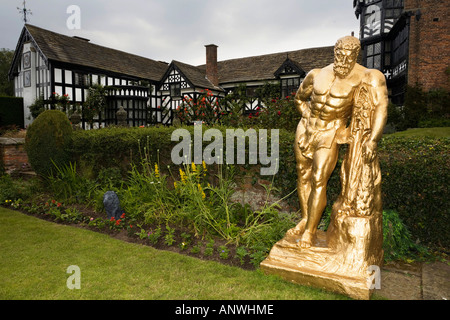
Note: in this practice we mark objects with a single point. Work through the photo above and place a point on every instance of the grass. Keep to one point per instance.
(440, 132)
(35, 255)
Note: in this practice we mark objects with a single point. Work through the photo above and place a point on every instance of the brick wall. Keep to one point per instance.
(12, 155)
(429, 43)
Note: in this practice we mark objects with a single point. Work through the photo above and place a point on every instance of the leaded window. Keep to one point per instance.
(373, 56)
(175, 90)
(289, 86)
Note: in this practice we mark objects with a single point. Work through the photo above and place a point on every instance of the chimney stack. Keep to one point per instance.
(211, 64)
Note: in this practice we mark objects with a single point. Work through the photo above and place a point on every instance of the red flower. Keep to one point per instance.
(112, 219)
(123, 215)
(279, 112)
(118, 222)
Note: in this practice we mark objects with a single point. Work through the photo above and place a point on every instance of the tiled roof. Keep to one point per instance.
(263, 67)
(195, 75)
(62, 48)
(72, 50)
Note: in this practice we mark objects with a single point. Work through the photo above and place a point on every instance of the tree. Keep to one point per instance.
(6, 86)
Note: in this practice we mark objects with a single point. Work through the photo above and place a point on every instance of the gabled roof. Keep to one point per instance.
(263, 67)
(195, 75)
(288, 63)
(62, 48)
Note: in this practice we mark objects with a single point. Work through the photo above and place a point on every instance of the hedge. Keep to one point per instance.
(11, 111)
(414, 171)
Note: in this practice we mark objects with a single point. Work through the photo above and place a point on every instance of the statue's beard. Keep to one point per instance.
(342, 70)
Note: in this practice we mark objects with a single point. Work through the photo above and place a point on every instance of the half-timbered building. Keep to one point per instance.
(408, 40)
(47, 63)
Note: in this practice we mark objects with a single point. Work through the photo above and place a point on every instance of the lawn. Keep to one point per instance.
(35, 255)
(440, 132)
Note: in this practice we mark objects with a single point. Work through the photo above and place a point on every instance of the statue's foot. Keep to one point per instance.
(306, 240)
(298, 229)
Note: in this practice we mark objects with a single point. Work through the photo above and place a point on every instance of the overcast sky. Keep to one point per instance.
(178, 29)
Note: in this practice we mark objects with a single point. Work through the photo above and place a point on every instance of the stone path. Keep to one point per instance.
(421, 281)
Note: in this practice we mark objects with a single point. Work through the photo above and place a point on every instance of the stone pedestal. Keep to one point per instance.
(340, 259)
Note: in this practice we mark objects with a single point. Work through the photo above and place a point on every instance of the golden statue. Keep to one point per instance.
(343, 103)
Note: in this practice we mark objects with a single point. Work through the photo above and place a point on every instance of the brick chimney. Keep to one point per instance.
(211, 64)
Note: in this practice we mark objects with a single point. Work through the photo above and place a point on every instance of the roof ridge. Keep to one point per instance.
(270, 54)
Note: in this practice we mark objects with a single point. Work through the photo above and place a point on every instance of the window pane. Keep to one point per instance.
(175, 90)
(370, 62)
(377, 48)
(370, 49)
(68, 76)
(377, 62)
(58, 75)
(387, 46)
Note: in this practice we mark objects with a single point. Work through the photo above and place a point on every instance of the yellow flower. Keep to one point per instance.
(201, 190)
(194, 168)
(204, 168)
(182, 176)
(175, 184)
(156, 171)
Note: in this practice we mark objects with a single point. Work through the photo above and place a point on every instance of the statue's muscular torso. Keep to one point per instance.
(331, 98)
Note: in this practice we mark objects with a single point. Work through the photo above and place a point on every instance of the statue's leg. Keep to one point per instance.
(303, 168)
(324, 162)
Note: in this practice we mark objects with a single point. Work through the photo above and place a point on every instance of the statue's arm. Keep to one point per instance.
(304, 92)
(380, 101)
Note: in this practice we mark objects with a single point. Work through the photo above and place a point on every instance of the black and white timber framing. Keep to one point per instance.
(47, 63)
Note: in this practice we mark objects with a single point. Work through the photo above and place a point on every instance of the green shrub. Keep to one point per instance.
(414, 170)
(15, 189)
(68, 185)
(47, 141)
(397, 240)
(422, 109)
(415, 179)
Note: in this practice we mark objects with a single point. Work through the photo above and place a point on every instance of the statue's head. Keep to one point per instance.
(346, 52)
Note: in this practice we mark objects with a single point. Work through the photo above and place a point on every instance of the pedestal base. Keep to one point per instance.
(338, 260)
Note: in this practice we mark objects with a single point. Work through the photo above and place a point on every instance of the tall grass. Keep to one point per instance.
(68, 185)
(193, 197)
